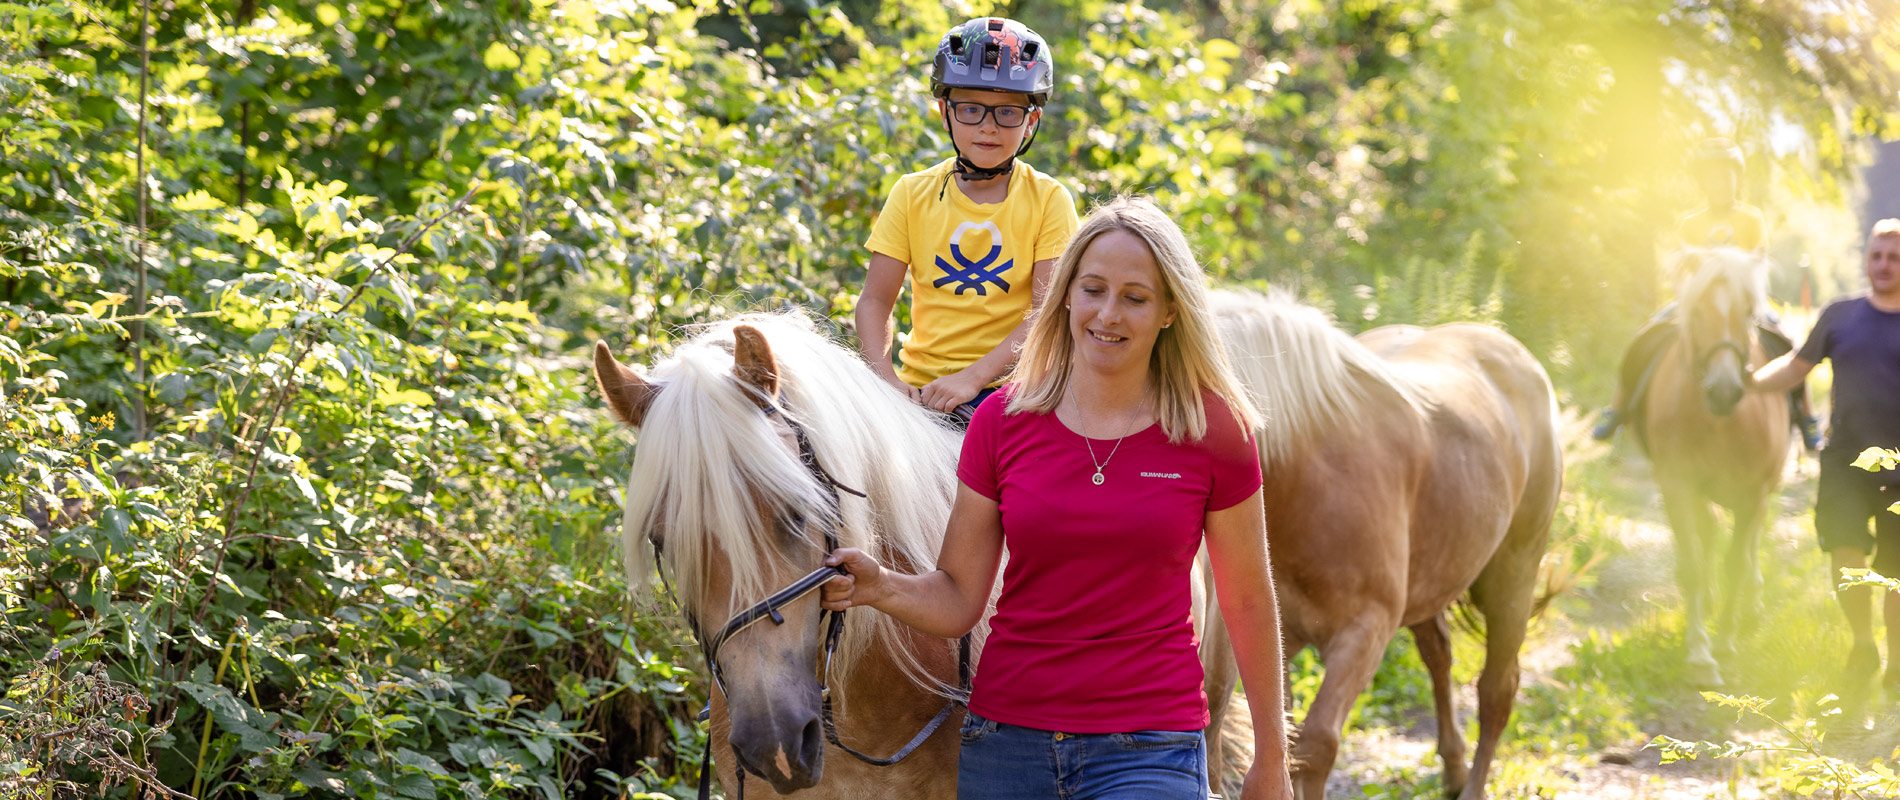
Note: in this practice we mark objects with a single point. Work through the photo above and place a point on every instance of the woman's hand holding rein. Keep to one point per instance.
(947, 601)
(864, 586)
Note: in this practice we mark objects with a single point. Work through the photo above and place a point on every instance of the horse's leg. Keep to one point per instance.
(1691, 520)
(1504, 593)
(1433, 637)
(1742, 610)
(1350, 658)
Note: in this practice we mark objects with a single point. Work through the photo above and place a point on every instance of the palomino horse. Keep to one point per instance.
(1713, 444)
(719, 489)
(722, 490)
(1403, 470)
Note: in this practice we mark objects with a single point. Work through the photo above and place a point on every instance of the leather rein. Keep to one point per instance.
(832, 621)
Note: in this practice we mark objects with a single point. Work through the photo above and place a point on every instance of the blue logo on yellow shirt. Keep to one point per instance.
(969, 274)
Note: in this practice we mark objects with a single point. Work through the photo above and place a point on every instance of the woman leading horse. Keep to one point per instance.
(1122, 446)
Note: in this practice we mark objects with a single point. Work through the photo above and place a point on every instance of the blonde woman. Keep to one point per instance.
(1123, 445)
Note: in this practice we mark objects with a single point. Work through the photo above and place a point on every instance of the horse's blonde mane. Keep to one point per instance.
(706, 448)
(1745, 272)
(1306, 375)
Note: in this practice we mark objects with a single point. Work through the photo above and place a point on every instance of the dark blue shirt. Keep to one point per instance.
(1864, 343)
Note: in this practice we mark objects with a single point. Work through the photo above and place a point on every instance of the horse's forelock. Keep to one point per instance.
(1743, 274)
(708, 461)
(709, 458)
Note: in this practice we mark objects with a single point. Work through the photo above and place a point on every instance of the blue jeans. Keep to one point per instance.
(1007, 762)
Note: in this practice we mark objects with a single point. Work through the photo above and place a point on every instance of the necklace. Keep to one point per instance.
(1103, 464)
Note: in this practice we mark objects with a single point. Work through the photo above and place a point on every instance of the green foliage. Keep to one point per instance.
(1875, 459)
(361, 551)
(1804, 770)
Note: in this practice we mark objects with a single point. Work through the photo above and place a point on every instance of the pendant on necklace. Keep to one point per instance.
(1098, 478)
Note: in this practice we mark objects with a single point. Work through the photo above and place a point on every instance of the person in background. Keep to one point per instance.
(1860, 334)
(1722, 221)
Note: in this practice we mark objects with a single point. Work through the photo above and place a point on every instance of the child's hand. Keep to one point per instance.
(946, 393)
(915, 394)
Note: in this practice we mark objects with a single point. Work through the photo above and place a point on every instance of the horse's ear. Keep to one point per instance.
(753, 361)
(628, 394)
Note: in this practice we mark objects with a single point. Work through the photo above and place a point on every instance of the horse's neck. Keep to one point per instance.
(877, 711)
(878, 690)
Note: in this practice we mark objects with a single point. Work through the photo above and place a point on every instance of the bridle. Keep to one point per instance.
(1708, 354)
(831, 621)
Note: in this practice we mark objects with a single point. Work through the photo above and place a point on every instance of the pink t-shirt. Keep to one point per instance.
(1092, 632)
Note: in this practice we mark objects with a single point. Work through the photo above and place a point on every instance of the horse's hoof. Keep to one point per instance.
(1454, 782)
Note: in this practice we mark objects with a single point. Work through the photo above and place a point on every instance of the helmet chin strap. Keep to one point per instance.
(970, 170)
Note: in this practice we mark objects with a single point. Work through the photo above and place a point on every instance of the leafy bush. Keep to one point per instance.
(363, 551)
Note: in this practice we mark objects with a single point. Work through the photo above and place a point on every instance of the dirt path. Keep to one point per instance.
(1391, 761)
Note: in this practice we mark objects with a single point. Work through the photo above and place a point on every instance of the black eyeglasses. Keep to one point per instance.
(1005, 116)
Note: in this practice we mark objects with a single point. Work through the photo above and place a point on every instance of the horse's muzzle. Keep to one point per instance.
(1723, 397)
(788, 753)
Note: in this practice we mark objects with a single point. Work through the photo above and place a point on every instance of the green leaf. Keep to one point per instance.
(414, 397)
(173, 388)
(303, 486)
(499, 58)
(411, 758)
(541, 748)
(198, 200)
(118, 525)
(416, 786)
(493, 687)
(405, 296)
(1875, 459)
(204, 638)
(234, 715)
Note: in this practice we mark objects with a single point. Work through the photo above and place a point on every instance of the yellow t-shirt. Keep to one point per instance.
(1740, 226)
(970, 264)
